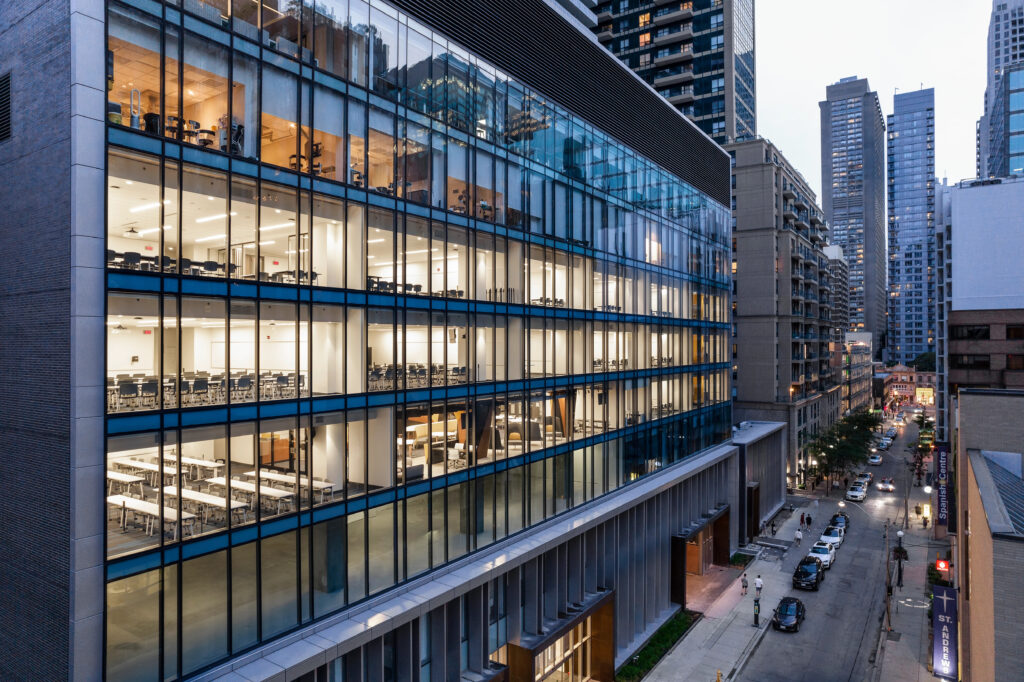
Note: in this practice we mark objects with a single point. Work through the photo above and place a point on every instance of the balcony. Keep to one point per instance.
(801, 203)
(604, 16)
(678, 77)
(668, 56)
(680, 13)
(788, 211)
(684, 96)
(788, 193)
(667, 37)
(605, 33)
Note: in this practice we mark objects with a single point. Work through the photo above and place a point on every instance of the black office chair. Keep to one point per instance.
(210, 267)
(132, 260)
(149, 391)
(111, 257)
(127, 391)
(201, 390)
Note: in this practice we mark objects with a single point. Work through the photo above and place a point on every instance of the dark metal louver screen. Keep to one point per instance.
(5, 107)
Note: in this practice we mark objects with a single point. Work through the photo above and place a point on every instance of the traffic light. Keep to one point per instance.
(942, 564)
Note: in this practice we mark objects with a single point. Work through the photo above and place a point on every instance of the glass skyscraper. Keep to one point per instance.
(853, 196)
(414, 353)
(911, 156)
(1006, 124)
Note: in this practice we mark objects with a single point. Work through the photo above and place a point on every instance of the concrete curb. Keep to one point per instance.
(748, 652)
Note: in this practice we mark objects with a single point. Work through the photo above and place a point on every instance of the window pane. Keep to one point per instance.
(329, 133)
(133, 352)
(381, 547)
(204, 603)
(278, 587)
(328, 566)
(329, 35)
(279, 118)
(204, 222)
(381, 152)
(204, 92)
(133, 82)
(133, 627)
(133, 212)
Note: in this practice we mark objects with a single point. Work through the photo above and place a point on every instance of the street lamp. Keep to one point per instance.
(899, 560)
(927, 490)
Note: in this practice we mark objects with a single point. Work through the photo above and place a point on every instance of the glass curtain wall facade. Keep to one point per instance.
(1006, 125)
(911, 189)
(372, 305)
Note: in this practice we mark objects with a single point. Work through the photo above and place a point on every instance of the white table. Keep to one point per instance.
(322, 486)
(149, 467)
(194, 462)
(205, 500)
(266, 491)
(127, 480)
(152, 512)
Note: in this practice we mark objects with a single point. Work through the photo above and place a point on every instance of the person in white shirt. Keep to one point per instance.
(758, 584)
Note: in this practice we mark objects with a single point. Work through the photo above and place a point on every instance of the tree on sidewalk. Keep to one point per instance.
(844, 446)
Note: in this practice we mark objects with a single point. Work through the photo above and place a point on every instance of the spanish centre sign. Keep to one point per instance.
(942, 484)
(944, 632)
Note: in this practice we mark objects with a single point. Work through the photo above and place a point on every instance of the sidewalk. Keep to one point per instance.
(724, 638)
(904, 654)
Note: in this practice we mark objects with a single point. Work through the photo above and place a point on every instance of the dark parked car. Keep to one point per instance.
(840, 519)
(809, 573)
(789, 614)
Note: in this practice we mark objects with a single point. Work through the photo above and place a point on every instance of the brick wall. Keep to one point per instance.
(34, 343)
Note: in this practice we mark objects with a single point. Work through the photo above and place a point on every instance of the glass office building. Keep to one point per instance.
(1006, 125)
(911, 155)
(374, 303)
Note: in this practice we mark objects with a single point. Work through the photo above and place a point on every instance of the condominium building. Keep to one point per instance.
(911, 154)
(853, 196)
(839, 274)
(782, 300)
(698, 54)
(1004, 48)
(982, 292)
(857, 373)
(1006, 125)
(351, 340)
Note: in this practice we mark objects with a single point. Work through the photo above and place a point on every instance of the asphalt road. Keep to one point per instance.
(838, 637)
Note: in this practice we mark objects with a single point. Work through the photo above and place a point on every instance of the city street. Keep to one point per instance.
(838, 637)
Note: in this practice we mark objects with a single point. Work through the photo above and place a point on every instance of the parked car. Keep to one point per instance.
(841, 520)
(856, 493)
(809, 573)
(884, 444)
(833, 535)
(866, 475)
(823, 552)
(875, 460)
(789, 614)
(891, 433)
(886, 485)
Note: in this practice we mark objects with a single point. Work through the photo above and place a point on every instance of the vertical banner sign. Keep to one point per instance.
(942, 487)
(944, 632)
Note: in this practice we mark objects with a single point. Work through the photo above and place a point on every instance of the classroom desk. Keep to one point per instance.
(152, 513)
(280, 496)
(205, 500)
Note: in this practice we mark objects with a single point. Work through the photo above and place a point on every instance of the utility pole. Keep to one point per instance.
(888, 581)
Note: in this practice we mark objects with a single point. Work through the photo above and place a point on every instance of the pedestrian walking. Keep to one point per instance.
(798, 536)
(801, 521)
(846, 481)
(743, 584)
(808, 522)
(815, 506)
(773, 528)
(758, 584)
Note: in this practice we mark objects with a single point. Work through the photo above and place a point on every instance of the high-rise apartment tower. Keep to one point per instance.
(853, 195)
